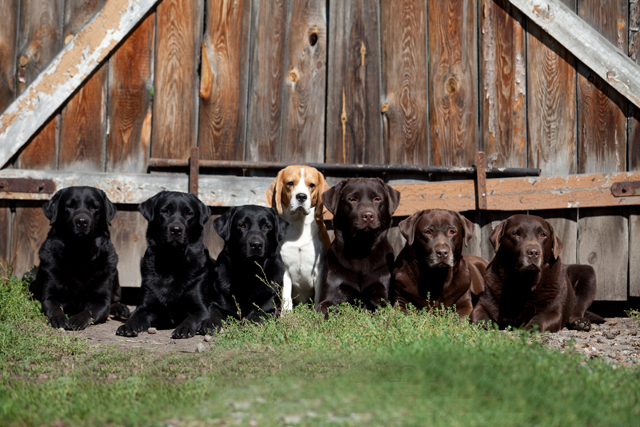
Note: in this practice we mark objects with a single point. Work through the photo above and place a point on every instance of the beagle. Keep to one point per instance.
(295, 194)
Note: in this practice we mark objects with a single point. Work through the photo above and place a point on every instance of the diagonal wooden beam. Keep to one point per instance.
(586, 44)
(67, 71)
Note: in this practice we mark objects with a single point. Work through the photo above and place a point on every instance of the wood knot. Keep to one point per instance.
(68, 38)
(24, 60)
(293, 76)
(313, 36)
(384, 108)
(451, 85)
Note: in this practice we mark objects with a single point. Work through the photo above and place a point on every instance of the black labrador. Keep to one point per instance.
(78, 275)
(249, 270)
(175, 268)
(360, 260)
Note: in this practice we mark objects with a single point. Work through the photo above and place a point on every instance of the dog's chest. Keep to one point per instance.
(302, 254)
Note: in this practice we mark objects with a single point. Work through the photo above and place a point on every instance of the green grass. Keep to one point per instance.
(355, 369)
(633, 313)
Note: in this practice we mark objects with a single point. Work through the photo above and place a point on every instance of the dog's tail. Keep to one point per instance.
(593, 318)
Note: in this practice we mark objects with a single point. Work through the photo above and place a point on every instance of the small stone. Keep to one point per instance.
(208, 338)
(610, 335)
(611, 323)
(200, 348)
(152, 331)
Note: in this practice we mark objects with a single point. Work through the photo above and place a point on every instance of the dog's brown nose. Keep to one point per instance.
(176, 231)
(533, 252)
(367, 216)
(301, 197)
(442, 253)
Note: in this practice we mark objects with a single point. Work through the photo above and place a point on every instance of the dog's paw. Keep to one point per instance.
(580, 324)
(59, 322)
(78, 322)
(209, 327)
(184, 331)
(119, 310)
(129, 329)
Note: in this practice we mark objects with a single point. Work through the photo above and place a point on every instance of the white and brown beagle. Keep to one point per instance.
(295, 193)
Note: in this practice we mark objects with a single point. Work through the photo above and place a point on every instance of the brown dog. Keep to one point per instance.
(527, 284)
(360, 259)
(431, 270)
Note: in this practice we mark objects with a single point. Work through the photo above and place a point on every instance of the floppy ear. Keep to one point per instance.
(468, 227)
(274, 193)
(148, 207)
(556, 243)
(109, 208)
(281, 227)
(393, 196)
(331, 197)
(222, 224)
(408, 226)
(203, 210)
(323, 186)
(50, 208)
(496, 235)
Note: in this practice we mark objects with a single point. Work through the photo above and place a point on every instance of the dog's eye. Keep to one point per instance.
(164, 212)
(516, 233)
(189, 214)
(427, 232)
(312, 186)
(544, 234)
(353, 200)
(452, 232)
(242, 226)
(290, 184)
(267, 227)
(377, 200)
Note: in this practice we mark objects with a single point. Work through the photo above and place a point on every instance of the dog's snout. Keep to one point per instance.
(368, 216)
(442, 253)
(82, 222)
(533, 252)
(175, 230)
(255, 245)
(301, 197)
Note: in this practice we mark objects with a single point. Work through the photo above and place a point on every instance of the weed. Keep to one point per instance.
(633, 313)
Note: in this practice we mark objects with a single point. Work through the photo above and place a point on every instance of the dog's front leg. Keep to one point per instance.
(287, 302)
(96, 312)
(53, 310)
(139, 321)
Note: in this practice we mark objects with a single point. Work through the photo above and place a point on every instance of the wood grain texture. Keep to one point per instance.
(41, 151)
(84, 126)
(634, 252)
(404, 81)
(77, 13)
(225, 80)
(603, 243)
(634, 112)
(503, 81)
(305, 82)
(129, 108)
(212, 240)
(5, 236)
(269, 29)
(8, 48)
(453, 82)
(175, 106)
(30, 228)
(602, 132)
(552, 103)
(354, 123)
(128, 230)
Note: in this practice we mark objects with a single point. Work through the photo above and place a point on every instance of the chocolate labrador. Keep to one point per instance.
(78, 273)
(359, 261)
(526, 283)
(431, 270)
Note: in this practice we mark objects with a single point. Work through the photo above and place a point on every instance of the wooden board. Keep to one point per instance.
(5, 237)
(565, 225)
(224, 80)
(503, 84)
(30, 228)
(404, 81)
(354, 123)
(175, 106)
(475, 244)
(453, 82)
(214, 243)
(130, 84)
(603, 242)
(78, 13)
(551, 103)
(305, 83)
(128, 231)
(8, 35)
(41, 152)
(634, 252)
(634, 112)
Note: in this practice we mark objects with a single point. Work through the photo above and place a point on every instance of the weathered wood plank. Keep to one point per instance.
(503, 82)
(225, 80)
(603, 243)
(129, 110)
(8, 48)
(42, 150)
(551, 103)
(78, 13)
(304, 92)
(175, 106)
(404, 81)
(5, 238)
(128, 230)
(634, 112)
(354, 123)
(634, 253)
(30, 228)
(212, 240)
(66, 72)
(453, 81)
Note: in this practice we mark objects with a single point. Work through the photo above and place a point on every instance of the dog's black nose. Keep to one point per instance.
(82, 222)
(176, 231)
(533, 253)
(367, 216)
(301, 197)
(256, 246)
(442, 253)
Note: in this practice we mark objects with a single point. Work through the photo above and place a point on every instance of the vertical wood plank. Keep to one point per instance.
(269, 29)
(78, 13)
(634, 112)
(475, 244)
(225, 79)
(5, 237)
(8, 49)
(30, 228)
(129, 106)
(128, 231)
(552, 103)
(354, 123)
(634, 252)
(175, 107)
(602, 134)
(453, 82)
(404, 81)
(503, 81)
(304, 92)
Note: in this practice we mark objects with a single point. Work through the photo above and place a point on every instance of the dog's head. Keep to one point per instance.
(80, 212)
(437, 235)
(175, 219)
(526, 242)
(297, 190)
(250, 231)
(361, 205)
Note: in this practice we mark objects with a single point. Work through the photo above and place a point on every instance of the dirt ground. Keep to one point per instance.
(617, 341)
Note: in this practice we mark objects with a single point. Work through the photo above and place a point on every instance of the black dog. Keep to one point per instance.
(251, 235)
(359, 262)
(175, 268)
(78, 273)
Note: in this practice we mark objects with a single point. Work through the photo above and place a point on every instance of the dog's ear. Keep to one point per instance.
(393, 196)
(148, 207)
(322, 187)
(50, 208)
(222, 224)
(408, 226)
(467, 227)
(204, 213)
(109, 208)
(496, 235)
(274, 193)
(556, 243)
(331, 197)
(281, 227)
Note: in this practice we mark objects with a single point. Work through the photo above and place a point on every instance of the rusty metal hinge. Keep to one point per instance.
(27, 185)
(626, 189)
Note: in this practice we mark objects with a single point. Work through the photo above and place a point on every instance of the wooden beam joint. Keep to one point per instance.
(481, 181)
(194, 170)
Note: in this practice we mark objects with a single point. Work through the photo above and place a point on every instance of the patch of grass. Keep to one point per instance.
(633, 313)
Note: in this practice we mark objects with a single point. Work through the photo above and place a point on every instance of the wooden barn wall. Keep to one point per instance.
(355, 81)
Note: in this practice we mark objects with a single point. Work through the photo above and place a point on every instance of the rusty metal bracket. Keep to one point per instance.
(194, 170)
(481, 181)
(27, 185)
(626, 189)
